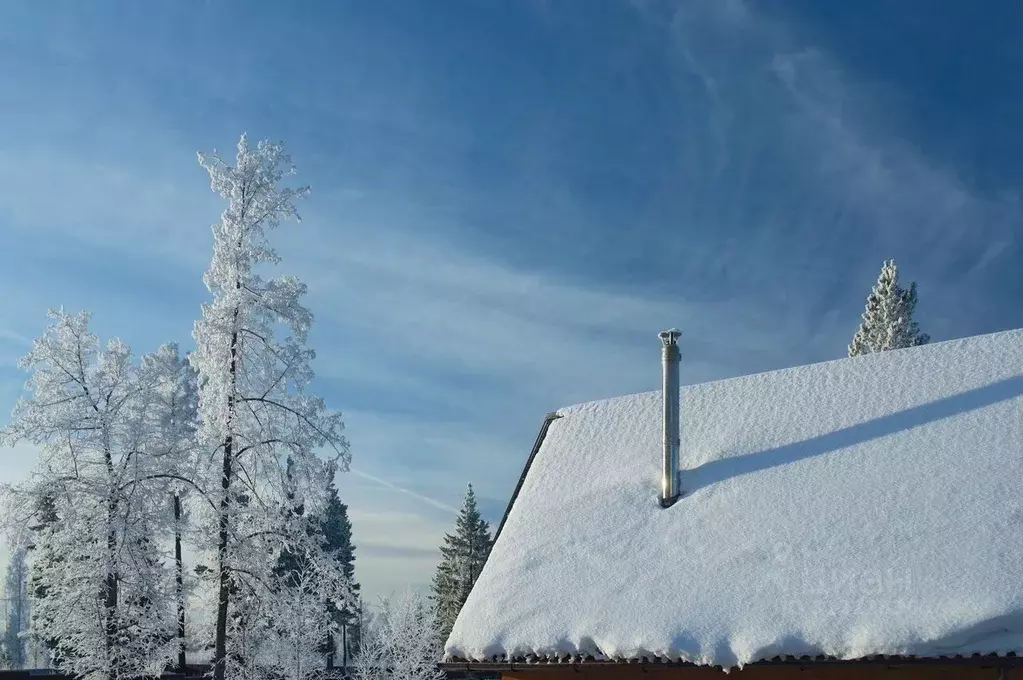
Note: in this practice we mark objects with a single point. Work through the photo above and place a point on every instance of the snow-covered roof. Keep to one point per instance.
(851, 508)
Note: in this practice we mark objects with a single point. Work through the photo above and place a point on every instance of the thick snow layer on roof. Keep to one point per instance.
(856, 507)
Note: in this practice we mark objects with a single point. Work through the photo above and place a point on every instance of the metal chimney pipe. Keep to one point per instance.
(670, 423)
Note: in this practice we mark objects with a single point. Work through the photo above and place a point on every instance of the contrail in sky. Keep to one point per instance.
(395, 487)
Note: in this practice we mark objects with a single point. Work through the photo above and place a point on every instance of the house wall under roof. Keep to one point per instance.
(852, 671)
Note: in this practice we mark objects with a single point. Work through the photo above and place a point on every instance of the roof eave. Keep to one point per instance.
(975, 661)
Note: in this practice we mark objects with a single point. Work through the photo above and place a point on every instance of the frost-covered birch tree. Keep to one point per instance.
(253, 406)
(887, 322)
(173, 421)
(97, 571)
(404, 643)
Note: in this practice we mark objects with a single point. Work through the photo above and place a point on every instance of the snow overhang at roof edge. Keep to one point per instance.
(994, 660)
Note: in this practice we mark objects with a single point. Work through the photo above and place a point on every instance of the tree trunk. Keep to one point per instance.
(180, 583)
(110, 584)
(224, 575)
(110, 605)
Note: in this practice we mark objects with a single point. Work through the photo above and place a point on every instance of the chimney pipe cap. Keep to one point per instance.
(669, 337)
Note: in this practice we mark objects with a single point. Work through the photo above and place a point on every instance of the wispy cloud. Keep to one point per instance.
(816, 175)
(139, 209)
(16, 338)
(467, 279)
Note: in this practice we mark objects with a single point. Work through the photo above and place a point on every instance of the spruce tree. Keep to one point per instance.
(332, 535)
(291, 561)
(887, 322)
(336, 530)
(46, 523)
(17, 609)
(462, 558)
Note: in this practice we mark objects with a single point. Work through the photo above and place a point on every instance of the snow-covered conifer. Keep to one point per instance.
(303, 570)
(462, 558)
(253, 407)
(16, 593)
(336, 533)
(887, 321)
(41, 522)
(301, 606)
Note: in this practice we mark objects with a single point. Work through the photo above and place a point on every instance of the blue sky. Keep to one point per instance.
(510, 199)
